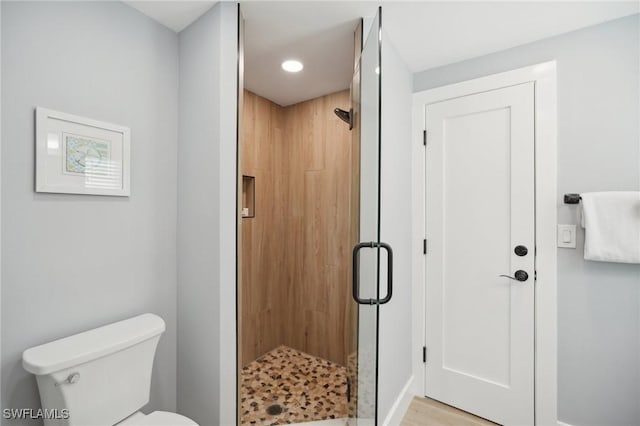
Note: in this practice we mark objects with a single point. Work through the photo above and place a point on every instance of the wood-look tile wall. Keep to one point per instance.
(264, 291)
(297, 249)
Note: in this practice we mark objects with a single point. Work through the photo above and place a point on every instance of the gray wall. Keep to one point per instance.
(73, 262)
(207, 218)
(1, 393)
(598, 150)
(395, 317)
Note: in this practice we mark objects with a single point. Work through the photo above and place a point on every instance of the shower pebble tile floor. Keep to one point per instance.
(305, 387)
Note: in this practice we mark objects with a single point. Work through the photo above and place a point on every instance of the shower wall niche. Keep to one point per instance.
(296, 250)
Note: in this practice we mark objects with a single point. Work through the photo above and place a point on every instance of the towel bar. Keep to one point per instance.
(572, 198)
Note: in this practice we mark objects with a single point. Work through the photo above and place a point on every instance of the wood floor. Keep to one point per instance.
(429, 412)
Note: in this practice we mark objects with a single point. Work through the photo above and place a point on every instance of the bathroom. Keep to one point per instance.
(72, 262)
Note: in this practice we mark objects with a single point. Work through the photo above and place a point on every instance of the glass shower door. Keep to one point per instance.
(372, 259)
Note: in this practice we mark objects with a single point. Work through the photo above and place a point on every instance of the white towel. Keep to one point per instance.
(612, 226)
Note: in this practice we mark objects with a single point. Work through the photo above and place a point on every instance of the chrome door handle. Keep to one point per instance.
(520, 275)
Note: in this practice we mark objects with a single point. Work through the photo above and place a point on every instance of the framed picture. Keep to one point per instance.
(78, 155)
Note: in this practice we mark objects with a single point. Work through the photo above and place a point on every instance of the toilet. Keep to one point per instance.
(101, 377)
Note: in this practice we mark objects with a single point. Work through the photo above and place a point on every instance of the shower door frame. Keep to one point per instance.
(543, 76)
(354, 310)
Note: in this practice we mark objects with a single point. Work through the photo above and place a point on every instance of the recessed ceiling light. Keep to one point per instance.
(292, 65)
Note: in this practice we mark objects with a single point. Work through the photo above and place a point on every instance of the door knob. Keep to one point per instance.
(520, 275)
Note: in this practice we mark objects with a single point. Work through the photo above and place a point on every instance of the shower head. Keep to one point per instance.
(346, 116)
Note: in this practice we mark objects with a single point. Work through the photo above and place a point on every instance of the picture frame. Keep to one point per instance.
(79, 155)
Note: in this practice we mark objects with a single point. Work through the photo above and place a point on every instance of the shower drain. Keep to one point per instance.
(274, 410)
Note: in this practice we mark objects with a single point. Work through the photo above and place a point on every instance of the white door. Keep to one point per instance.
(479, 208)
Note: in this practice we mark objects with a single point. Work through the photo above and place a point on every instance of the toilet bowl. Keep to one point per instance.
(101, 377)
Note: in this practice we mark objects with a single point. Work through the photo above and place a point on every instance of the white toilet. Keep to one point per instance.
(101, 377)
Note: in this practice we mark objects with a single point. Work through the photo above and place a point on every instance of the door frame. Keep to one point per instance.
(543, 76)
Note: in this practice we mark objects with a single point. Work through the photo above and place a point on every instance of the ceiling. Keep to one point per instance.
(174, 14)
(426, 34)
(432, 34)
(320, 35)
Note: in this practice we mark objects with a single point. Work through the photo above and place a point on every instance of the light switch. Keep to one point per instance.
(567, 236)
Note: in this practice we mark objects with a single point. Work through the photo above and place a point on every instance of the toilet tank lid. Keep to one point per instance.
(91, 344)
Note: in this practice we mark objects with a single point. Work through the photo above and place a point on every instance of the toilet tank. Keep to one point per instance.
(100, 376)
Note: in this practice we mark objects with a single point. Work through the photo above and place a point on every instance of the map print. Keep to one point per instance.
(85, 154)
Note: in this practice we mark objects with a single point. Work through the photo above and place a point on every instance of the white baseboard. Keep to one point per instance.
(563, 423)
(400, 406)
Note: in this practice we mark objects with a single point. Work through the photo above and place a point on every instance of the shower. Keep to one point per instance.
(298, 332)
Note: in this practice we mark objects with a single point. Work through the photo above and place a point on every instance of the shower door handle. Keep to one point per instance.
(356, 273)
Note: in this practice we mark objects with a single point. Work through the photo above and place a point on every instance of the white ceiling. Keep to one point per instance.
(426, 34)
(174, 14)
(429, 35)
(320, 35)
